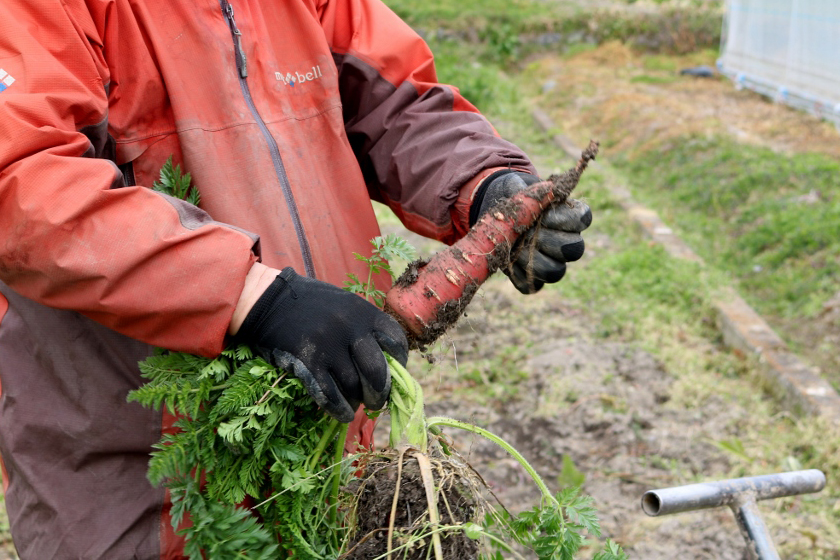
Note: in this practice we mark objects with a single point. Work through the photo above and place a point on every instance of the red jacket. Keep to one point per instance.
(289, 114)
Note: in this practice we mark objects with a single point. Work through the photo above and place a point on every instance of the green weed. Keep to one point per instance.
(637, 283)
(503, 41)
(6, 545)
(499, 377)
(505, 24)
(770, 220)
(578, 48)
(480, 79)
(644, 79)
(476, 14)
(660, 63)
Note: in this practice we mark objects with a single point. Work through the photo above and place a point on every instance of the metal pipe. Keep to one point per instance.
(726, 492)
(740, 494)
(760, 545)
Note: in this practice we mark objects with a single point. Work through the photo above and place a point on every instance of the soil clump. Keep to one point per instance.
(385, 478)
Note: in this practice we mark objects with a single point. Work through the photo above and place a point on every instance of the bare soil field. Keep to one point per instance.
(533, 370)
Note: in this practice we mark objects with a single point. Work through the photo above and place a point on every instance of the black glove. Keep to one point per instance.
(558, 238)
(328, 338)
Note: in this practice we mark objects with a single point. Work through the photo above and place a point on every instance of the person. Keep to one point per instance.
(291, 116)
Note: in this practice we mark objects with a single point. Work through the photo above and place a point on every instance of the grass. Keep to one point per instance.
(746, 211)
(470, 14)
(653, 285)
(507, 28)
(7, 548)
(770, 221)
(749, 184)
(480, 79)
(644, 79)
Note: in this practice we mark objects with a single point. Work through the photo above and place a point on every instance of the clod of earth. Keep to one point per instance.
(392, 498)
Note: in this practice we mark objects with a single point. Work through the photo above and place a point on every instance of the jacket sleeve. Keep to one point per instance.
(422, 147)
(72, 235)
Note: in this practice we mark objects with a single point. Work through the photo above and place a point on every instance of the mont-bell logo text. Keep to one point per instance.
(295, 78)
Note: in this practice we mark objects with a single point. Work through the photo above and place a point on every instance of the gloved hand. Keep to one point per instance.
(328, 338)
(558, 238)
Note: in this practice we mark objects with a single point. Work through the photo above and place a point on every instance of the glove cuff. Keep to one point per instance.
(478, 197)
(265, 304)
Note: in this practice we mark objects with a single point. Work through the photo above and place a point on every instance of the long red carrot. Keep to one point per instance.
(431, 295)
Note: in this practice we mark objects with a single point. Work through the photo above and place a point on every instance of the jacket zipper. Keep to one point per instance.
(279, 168)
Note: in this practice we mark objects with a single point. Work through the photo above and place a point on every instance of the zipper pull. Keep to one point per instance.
(241, 60)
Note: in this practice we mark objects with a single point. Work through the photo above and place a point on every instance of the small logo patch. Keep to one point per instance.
(5, 80)
(293, 79)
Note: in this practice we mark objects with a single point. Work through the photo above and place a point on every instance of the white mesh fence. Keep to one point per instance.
(786, 49)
